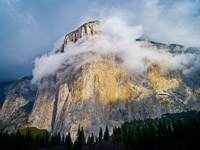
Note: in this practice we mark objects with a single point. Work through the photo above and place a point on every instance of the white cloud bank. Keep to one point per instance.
(118, 37)
(171, 21)
(166, 21)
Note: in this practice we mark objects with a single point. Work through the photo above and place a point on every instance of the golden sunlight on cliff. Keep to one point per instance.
(160, 81)
(104, 82)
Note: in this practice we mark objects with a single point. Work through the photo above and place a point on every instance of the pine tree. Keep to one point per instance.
(106, 134)
(37, 142)
(80, 140)
(46, 139)
(28, 139)
(89, 140)
(83, 137)
(100, 134)
(55, 140)
(92, 139)
(68, 141)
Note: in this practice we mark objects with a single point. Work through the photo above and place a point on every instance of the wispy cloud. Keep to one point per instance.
(117, 37)
(29, 28)
(172, 21)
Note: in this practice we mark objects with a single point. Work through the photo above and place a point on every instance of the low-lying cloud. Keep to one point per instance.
(171, 21)
(29, 28)
(118, 37)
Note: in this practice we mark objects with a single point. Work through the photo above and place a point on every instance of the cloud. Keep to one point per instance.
(172, 21)
(117, 37)
(29, 28)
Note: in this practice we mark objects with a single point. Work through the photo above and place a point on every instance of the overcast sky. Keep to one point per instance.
(29, 28)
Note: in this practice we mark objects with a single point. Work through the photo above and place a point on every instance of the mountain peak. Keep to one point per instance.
(90, 28)
(94, 89)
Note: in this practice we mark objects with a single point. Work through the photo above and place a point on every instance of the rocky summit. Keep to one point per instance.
(97, 93)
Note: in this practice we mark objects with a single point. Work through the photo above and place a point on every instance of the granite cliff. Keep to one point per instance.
(17, 98)
(100, 92)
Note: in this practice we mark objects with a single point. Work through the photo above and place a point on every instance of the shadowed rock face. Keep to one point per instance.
(102, 93)
(18, 99)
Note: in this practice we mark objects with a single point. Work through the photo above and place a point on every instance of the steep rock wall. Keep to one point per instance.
(97, 93)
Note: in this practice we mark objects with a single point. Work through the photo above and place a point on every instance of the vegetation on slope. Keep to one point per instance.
(172, 131)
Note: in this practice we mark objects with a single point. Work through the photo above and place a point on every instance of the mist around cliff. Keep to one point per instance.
(28, 31)
(117, 37)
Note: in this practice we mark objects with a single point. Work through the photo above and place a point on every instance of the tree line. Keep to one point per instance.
(181, 134)
(172, 131)
(33, 138)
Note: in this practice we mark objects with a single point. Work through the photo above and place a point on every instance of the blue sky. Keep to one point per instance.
(29, 28)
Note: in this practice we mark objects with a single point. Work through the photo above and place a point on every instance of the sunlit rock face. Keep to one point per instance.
(102, 92)
(88, 29)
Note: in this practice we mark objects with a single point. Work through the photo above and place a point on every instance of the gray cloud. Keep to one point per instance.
(119, 38)
(29, 28)
(172, 21)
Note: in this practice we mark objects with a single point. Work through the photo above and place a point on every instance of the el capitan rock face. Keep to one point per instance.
(18, 98)
(101, 93)
(86, 30)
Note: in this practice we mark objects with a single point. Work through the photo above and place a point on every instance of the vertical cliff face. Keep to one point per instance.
(99, 93)
(105, 94)
(86, 30)
(102, 92)
(18, 99)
